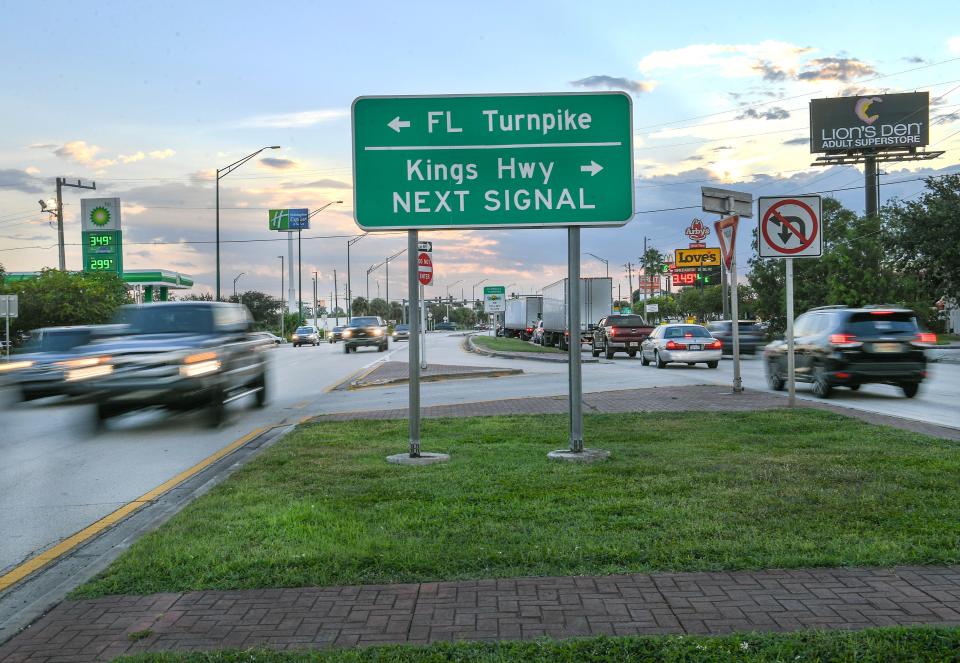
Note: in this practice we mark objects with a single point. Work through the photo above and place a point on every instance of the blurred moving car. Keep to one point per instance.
(751, 336)
(446, 326)
(267, 336)
(336, 334)
(619, 333)
(401, 333)
(537, 336)
(39, 370)
(838, 346)
(180, 355)
(306, 335)
(680, 343)
(365, 330)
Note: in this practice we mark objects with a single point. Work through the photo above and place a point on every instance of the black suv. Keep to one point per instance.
(180, 355)
(837, 346)
(365, 330)
(750, 335)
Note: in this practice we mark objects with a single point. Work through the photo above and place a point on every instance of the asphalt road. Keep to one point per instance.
(59, 476)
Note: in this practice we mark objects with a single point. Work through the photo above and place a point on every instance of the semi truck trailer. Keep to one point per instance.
(596, 298)
(522, 315)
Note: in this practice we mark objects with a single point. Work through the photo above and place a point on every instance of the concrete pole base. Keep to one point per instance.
(424, 458)
(585, 456)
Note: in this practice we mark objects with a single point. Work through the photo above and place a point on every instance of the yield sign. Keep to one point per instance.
(424, 269)
(790, 227)
(727, 233)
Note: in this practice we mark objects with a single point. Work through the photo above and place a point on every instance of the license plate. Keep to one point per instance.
(694, 347)
(886, 347)
(632, 343)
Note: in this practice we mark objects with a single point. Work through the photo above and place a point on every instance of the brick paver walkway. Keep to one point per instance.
(511, 608)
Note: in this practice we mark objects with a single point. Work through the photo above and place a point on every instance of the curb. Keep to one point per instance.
(386, 382)
(470, 346)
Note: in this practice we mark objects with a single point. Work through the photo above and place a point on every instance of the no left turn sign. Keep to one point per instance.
(790, 227)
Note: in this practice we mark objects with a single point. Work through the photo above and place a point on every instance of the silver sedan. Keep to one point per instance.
(681, 343)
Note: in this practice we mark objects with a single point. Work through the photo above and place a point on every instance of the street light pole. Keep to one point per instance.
(283, 301)
(400, 252)
(221, 173)
(315, 275)
(473, 292)
(351, 242)
(300, 256)
(235, 284)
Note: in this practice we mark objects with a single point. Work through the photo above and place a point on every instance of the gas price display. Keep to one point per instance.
(101, 240)
(102, 265)
(684, 278)
(102, 251)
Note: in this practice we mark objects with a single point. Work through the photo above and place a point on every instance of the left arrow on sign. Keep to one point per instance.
(593, 168)
(397, 124)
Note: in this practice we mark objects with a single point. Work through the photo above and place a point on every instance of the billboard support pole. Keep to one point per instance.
(870, 185)
(291, 287)
(791, 363)
(573, 343)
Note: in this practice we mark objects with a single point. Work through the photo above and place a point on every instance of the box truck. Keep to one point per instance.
(522, 315)
(596, 298)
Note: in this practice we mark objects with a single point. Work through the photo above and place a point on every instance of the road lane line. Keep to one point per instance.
(35, 563)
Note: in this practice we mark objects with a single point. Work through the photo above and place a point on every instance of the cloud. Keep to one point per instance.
(914, 59)
(770, 72)
(278, 164)
(293, 120)
(835, 69)
(42, 146)
(83, 153)
(162, 154)
(733, 60)
(615, 83)
(131, 158)
(947, 118)
(772, 113)
(31, 170)
(20, 180)
(317, 184)
(953, 45)
(797, 141)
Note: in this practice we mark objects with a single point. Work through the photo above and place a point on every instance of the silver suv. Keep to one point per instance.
(306, 335)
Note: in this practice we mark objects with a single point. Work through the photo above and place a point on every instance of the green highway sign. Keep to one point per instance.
(494, 299)
(494, 161)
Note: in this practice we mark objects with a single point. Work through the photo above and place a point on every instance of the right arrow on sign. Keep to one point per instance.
(397, 124)
(593, 168)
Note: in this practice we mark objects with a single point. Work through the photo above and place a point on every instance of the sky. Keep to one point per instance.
(148, 99)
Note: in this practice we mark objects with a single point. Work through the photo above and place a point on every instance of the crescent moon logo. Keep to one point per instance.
(862, 107)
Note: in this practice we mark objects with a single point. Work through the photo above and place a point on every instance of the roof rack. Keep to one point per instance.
(882, 306)
(826, 308)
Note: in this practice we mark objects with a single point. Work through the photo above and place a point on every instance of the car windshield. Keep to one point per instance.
(882, 323)
(336, 329)
(304, 330)
(401, 328)
(626, 321)
(364, 322)
(58, 341)
(161, 319)
(686, 330)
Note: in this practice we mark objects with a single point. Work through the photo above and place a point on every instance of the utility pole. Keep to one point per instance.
(335, 316)
(315, 297)
(283, 302)
(629, 268)
(62, 182)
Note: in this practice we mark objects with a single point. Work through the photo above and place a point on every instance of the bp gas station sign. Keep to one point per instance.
(101, 235)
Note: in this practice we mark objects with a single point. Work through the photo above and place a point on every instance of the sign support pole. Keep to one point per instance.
(413, 365)
(735, 313)
(422, 337)
(791, 358)
(573, 343)
(291, 288)
(7, 337)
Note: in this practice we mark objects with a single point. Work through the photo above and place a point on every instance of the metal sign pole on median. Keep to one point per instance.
(413, 365)
(791, 358)
(573, 346)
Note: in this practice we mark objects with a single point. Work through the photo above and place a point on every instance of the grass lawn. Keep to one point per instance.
(885, 645)
(512, 345)
(946, 339)
(682, 491)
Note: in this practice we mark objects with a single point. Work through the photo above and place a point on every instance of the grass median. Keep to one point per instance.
(884, 645)
(682, 491)
(512, 345)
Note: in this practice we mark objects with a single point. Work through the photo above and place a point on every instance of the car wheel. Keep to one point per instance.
(660, 362)
(821, 388)
(594, 351)
(608, 351)
(713, 364)
(643, 359)
(346, 349)
(102, 412)
(261, 386)
(910, 389)
(854, 387)
(774, 378)
(216, 412)
(691, 363)
(632, 353)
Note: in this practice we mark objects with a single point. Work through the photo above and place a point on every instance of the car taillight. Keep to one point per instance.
(844, 341)
(715, 345)
(614, 331)
(673, 345)
(926, 337)
(881, 312)
(529, 329)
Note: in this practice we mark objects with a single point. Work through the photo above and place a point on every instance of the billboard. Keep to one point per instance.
(289, 219)
(872, 122)
(99, 214)
(708, 257)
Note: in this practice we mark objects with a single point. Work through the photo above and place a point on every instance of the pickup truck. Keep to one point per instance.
(620, 333)
(179, 355)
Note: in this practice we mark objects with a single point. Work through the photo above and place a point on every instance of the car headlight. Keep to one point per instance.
(85, 368)
(83, 362)
(346, 333)
(378, 332)
(202, 363)
(295, 337)
(15, 365)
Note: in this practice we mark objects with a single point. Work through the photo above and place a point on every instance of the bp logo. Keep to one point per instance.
(100, 216)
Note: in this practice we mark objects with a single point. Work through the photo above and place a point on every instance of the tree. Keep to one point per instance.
(264, 308)
(359, 306)
(378, 307)
(56, 298)
(925, 238)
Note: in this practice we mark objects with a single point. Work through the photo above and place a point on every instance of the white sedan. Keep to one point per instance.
(682, 344)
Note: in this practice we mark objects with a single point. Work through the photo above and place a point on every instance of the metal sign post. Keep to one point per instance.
(8, 307)
(573, 346)
(422, 338)
(413, 280)
(791, 358)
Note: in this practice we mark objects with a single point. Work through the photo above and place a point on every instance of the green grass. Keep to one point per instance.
(682, 491)
(885, 645)
(946, 339)
(512, 345)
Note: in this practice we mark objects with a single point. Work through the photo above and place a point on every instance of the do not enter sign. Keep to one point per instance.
(790, 227)
(424, 269)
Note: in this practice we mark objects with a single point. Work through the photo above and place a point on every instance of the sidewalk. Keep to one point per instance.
(511, 608)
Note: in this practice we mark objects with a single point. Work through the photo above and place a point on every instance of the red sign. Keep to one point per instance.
(697, 232)
(424, 269)
(727, 232)
(684, 278)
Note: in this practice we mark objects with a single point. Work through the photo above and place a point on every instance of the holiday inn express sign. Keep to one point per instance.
(517, 160)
